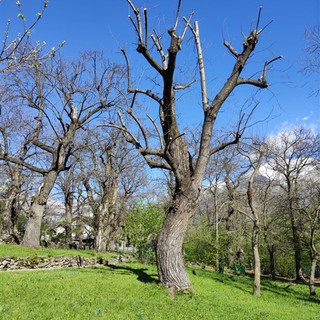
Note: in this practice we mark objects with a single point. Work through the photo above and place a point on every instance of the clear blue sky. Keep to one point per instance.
(104, 25)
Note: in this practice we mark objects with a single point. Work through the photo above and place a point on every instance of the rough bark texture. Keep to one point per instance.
(39, 200)
(169, 249)
(10, 212)
(68, 217)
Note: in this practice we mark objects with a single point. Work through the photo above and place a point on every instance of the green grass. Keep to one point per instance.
(130, 291)
(20, 251)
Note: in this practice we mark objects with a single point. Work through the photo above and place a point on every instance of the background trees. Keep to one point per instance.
(63, 97)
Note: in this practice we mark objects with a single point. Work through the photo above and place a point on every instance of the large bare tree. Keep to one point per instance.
(63, 97)
(172, 153)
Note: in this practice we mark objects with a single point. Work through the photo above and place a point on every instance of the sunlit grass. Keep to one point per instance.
(130, 291)
(20, 251)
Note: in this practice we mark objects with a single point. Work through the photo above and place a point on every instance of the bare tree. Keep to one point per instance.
(63, 97)
(255, 154)
(112, 168)
(292, 154)
(173, 153)
(310, 207)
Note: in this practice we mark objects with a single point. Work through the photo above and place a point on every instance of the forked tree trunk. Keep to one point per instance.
(39, 200)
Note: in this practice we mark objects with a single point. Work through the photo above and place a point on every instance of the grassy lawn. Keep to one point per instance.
(20, 251)
(130, 291)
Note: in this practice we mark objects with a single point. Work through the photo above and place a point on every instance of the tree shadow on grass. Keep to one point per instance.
(142, 275)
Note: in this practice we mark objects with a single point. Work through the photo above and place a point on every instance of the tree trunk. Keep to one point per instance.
(39, 200)
(272, 261)
(169, 243)
(256, 256)
(312, 276)
(297, 246)
(230, 253)
(6, 218)
(9, 213)
(69, 207)
(217, 241)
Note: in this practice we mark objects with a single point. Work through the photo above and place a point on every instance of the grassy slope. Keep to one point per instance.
(130, 291)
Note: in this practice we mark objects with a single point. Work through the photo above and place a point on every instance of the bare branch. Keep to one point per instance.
(132, 6)
(146, 27)
(185, 86)
(23, 163)
(128, 68)
(262, 82)
(223, 145)
(141, 128)
(257, 25)
(201, 67)
(246, 214)
(160, 50)
(233, 51)
(186, 26)
(266, 65)
(135, 26)
(158, 131)
(177, 17)
(125, 132)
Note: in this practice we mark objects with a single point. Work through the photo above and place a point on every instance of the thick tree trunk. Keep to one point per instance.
(9, 212)
(32, 234)
(256, 256)
(312, 276)
(6, 218)
(169, 244)
(100, 242)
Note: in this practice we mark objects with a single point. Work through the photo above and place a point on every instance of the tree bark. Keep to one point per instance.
(257, 264)
(312, 276)
(68, 218)
(296, 243)
(33, 229)
(9, 212)
(169, 243)
(272, 261)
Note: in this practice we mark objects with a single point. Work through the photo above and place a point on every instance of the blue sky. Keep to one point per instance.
(104, 25)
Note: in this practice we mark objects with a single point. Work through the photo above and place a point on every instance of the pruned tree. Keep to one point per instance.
(172, 153)
(63, 97)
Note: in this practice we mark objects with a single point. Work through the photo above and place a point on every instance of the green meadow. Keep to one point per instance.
(130, 291)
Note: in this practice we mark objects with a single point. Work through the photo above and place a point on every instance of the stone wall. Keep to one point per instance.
(52, 262)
